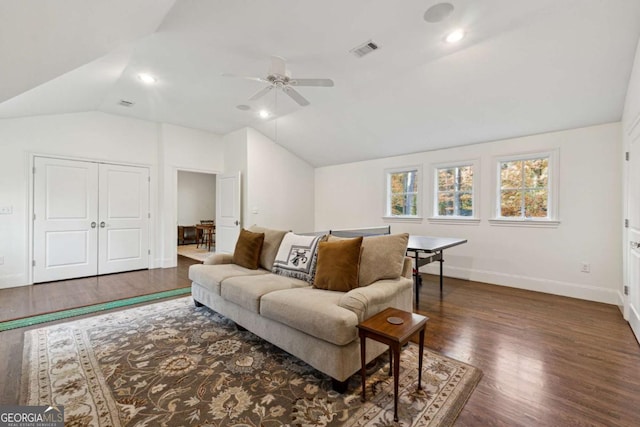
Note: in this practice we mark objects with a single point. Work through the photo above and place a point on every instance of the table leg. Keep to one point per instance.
(420, 354)
(396, 378)
(441, 263)
(390, 361)
(363, 362)
(416, 278)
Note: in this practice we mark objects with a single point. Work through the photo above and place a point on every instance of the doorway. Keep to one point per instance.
(196, 214)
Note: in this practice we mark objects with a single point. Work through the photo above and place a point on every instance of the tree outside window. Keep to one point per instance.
(524, 188)
(454, 191)
(402, 193)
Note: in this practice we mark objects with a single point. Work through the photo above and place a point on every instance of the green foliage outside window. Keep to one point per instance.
(455, 191)
(524, 188)
(404, 193)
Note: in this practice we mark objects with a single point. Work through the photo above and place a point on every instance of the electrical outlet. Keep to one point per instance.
(6, 210)
(585, 267)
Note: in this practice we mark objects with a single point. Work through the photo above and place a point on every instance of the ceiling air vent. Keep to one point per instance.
(364, 49)
(125, 103)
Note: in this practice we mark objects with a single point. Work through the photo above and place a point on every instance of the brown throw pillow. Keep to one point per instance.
(338, 264)
(248, 247)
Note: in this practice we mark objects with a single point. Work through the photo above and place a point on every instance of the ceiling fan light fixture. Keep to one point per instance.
(147, 78)
(455, 36)
(264, 114)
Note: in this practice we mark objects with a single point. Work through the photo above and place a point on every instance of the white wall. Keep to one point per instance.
(102, 137)
(280, 186)
(182, 149)
(196, 197)
(540, 259)
(235, 160)
(89, 135)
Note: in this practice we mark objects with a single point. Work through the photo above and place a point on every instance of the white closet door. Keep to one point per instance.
(64, 227)
(633, 233)
(123, 219)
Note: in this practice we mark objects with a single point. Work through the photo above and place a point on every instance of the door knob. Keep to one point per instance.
(237, 222)
(102, 224)
(635, 245)
(93, 224)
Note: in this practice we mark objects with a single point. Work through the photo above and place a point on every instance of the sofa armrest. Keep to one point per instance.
(369, 300)
(218, 259)
(407, 268)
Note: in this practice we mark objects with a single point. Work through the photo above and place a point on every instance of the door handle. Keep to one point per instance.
(93, 224)
(237, 222)
(634, 245)
(102, 224)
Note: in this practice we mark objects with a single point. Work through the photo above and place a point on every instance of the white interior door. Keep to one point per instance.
(228, 211)
(123, 240)
(65, 216)
(633, 233)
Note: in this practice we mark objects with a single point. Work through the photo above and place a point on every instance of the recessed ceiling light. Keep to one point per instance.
(147, 78)
(455, 36)
(264, 114)
(438, 12)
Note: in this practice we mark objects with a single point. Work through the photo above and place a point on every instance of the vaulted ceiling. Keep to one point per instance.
(524, 67)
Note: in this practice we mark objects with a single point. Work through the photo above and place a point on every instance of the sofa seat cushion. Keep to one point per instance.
(313, 311)
(210, 276)
(246, 291)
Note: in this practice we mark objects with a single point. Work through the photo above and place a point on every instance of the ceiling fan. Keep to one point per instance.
(280, 78)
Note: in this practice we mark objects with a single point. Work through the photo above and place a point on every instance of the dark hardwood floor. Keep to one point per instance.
(547, 360)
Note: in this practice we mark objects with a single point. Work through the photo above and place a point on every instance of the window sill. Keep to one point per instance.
(402, 218)
(541, 223)
(454, 220)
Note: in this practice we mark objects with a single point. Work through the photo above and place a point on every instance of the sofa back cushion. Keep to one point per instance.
(247, 251)
(272, 240)
(382, 257)
(297, 257)
(338, 263)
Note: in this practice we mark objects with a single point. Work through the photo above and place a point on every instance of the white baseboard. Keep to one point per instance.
(13, 281)
(167, 262)
(634, 321)
(555, 287)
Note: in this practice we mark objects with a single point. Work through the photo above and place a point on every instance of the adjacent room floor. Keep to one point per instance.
(547, 360)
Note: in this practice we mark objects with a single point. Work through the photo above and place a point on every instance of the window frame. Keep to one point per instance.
(475, 193)
(552, 219)
(387, 193)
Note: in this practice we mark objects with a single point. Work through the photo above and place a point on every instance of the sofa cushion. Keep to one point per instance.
(246, 291)
(382, 257)
(272, 240)
(338, 262)
(210, 276)
(313, 311)
(248, 247)
(297, 257)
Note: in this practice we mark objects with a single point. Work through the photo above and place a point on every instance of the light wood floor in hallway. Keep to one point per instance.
(547, 360)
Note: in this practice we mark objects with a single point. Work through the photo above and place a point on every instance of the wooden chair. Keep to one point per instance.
(207, 231)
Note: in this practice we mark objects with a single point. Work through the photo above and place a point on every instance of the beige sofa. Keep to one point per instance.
(316, 325)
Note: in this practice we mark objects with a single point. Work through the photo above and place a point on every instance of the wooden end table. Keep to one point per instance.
(380, 328)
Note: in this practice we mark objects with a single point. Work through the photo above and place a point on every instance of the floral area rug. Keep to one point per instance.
(172, 364)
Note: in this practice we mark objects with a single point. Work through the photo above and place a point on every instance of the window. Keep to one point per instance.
(454, 191)
(403, 192)
(525, 190)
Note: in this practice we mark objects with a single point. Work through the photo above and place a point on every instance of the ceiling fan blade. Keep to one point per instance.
(295, 95)
(257, 79)
(311, 82)
(262, 92)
